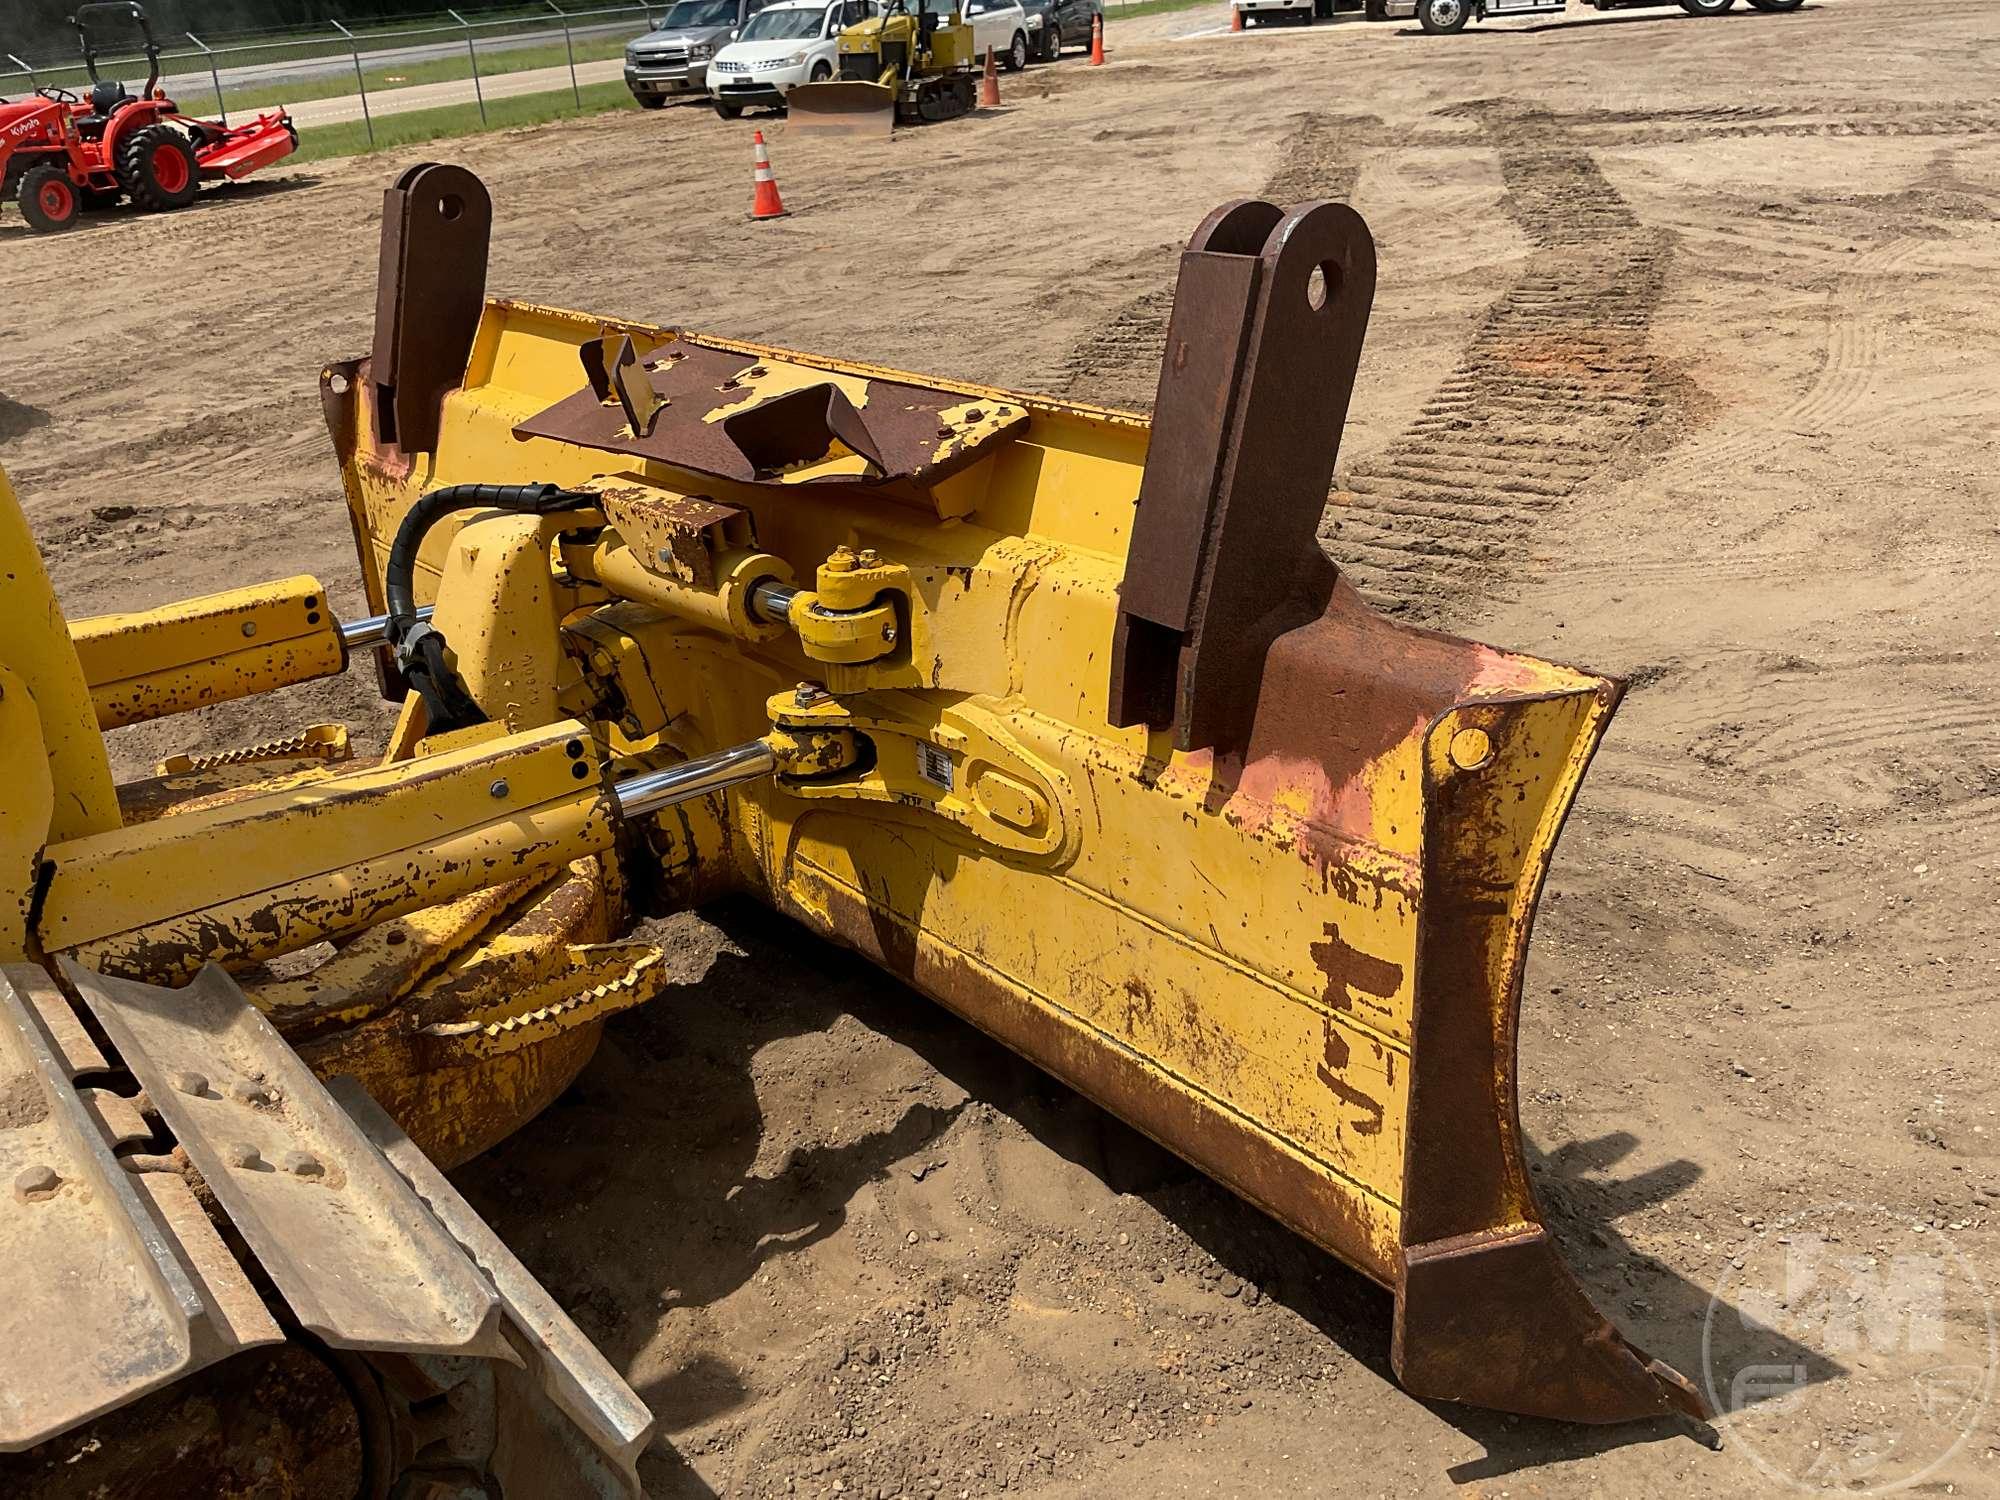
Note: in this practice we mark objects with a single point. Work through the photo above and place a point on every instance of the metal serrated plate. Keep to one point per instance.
(567, 1367)
(347, 1242)
(100, 1307)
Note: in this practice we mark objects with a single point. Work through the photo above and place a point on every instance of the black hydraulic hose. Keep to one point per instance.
(419, 646)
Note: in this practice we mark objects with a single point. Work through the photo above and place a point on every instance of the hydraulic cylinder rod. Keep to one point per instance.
(373, 630)
(650, 791)
(772, 600)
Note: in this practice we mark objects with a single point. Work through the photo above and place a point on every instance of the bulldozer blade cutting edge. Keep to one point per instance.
(1155, 797)
(842, 108)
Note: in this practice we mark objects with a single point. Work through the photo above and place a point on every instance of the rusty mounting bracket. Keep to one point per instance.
(1262, 348)
(436, 223)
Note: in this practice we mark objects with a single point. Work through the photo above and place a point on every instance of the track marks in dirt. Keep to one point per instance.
(1119, 363)
(1557, 379)
(1880, 120)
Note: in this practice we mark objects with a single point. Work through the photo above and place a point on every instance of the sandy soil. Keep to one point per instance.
(843, 1245)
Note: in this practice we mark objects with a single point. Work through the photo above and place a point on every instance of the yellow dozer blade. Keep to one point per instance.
(1139, 784)
(1060, 716)
(842, 107)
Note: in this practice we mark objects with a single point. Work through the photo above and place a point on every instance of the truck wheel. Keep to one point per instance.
(651, 101)
(157, 168)
(1443, 17)
(1052, 42)
(822, 72)
(1706, 7)
(1017, 54)
(48, 199)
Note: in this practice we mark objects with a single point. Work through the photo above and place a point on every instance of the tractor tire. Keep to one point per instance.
(1706, 7)
(157, 168)
(49, 200)
(1017, 53)
(1443, 17)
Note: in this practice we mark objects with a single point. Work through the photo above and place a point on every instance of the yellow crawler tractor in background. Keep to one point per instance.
(1063, 720)
(911, 63)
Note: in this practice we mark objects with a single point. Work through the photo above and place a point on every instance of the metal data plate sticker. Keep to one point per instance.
(934, 766)
(345, 1239)
(99, 1309)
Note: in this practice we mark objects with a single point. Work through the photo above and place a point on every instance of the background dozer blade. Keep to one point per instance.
(844, 108)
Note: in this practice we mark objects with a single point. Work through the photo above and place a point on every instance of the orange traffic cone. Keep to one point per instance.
(764, 200)
(989, 85)
(1235, 18)
(1097, 40)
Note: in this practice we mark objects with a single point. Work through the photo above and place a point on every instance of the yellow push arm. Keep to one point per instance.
(146, 664)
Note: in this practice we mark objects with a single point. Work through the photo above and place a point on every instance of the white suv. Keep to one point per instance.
(783, 45)
(999, 24)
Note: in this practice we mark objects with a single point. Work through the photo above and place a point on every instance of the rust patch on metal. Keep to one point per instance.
(895, 430)
(430, 291)
(676, 535)
(1331, 1071)
(1264, 341)
(1348, 969)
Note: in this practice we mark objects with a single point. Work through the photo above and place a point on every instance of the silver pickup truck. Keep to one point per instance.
(1441, 16)
(672, 58)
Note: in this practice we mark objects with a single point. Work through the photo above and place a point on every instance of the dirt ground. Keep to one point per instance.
(844, 1245)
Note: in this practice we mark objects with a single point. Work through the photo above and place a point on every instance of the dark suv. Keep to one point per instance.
(1056, 24)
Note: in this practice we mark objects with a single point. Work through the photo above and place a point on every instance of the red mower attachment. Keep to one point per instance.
(240, 150)
(60, 153)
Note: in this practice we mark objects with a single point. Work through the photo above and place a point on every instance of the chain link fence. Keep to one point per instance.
(338, 75)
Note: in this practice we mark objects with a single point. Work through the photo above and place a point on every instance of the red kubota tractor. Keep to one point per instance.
(60, 154)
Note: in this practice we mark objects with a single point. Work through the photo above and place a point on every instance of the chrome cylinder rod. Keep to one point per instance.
(359, 635)
(771, 600)
(650, 791)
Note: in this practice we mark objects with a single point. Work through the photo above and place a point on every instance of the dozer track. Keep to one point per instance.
(1059, 716)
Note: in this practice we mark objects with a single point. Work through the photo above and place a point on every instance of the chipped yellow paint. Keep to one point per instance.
(150, 663)
(24, 811)
(263, 875)
(35, 644)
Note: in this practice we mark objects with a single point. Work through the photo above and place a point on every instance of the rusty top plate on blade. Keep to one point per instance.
(99, 1309)
(766, 421)
(345, 1239)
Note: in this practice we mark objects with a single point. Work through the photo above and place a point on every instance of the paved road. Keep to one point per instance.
(189, 80)
(456, 91)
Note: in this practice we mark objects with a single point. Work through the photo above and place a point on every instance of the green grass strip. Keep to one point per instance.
(386, 78)
(1113, 13)
(392, 132)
